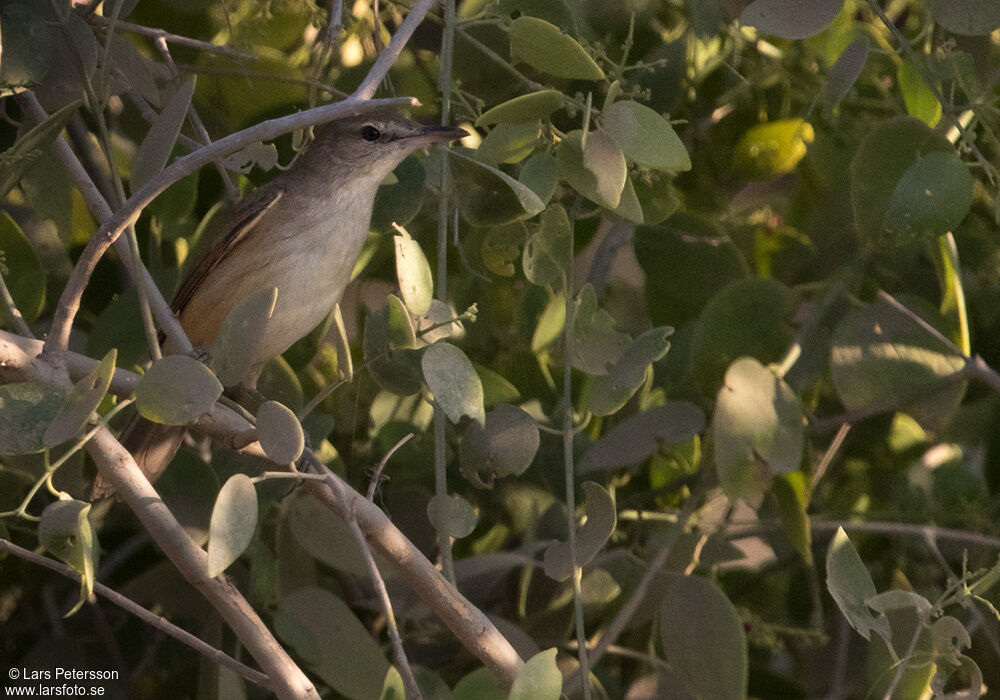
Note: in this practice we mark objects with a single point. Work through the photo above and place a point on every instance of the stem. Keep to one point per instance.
(569, 471)
(444, 85)
(15, 314)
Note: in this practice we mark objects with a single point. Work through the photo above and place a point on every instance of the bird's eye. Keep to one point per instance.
(370, 133)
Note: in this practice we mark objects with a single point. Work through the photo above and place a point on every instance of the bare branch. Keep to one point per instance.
(141, 30)
(150, 618)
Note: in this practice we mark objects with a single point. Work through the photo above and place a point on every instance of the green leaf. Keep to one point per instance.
(416, 284)
(22, 270)
(540, 174)
(81, 402)
(18, 159)
(550, 323)
(644, 136)
(758, 430)
(598, 173)
(879, 354)
(28, 409)
(748, 317)
(501, 248)
(324, 536)
(790, 19)
(509, 143)
(176, 390)
(920, 100)
(453, 381)
(316, 624)
(65, 532)
(478, 685)
(548, 49)
(846, 71)
(189, 488)
(657, 199)
(703, 639)
(850, 586)
(886, 153)
(772, 148)
(279, 432)
(401, 201)
(611, 391)
(395, 370)
(489, 197)
(596, 344)
(642, 435)
(523, 108)
(401, 332)
(154, 151)
(548, 252)
(968, 17)
(240, 335)
(496, 388)
(590, 537)
(556, 11)
(538, 679)
(452, 516)
(26, 46)
(234, 520)
(505, 445)
(792, 493)
(629, 207)
(932, 198)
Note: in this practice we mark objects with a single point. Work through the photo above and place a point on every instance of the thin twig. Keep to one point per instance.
(155, 33)
(377, 476)
(15, 314)
(402, 663)
(214, 655)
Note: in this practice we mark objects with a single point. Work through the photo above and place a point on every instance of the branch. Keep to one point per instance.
(150, 618)
(153, 32)
(469, 625)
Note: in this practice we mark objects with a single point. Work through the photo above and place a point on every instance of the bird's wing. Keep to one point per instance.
(241, 223)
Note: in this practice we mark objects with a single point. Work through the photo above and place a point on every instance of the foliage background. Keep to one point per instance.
(799, 215)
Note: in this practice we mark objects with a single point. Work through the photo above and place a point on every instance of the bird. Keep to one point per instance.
(300, 233)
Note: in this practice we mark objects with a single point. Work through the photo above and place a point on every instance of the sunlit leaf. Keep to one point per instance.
(644, 136)
(176, 390)
(509, 143)
(538, 679)
(234, 520)
(545, 47)
(524, 108)
(279, 432)
(240, 335)
(920, 100)
(416, 284)
(772, 148)
(550, 323)
(850, 585)
(81, 402)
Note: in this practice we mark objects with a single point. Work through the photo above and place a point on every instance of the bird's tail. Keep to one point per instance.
(152, 445)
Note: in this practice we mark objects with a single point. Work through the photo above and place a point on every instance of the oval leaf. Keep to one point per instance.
(452, 516)
(524, 108)
(850, 585)
(240, 334)
(489, 197)
(644, 136)
(399, 202)
(279, 432)
(27, 48)
(28, 409)
(549, 250)
(82, 401)
(416, 284)
(545, 47)
(154, 151)
(590, 537)
(790, 19)
(703, 639)
(65, 532)
(931, 199)
(598, 173)
(610, 391)
(22, 270)
(846, 71)
(395, 370)
(969, 17)
(540, 174)
(538, 679)
(757, 430)
(509, 143)
(176, 390)
(505, 445)
(642, 435)
(234, 520)
(454, 382)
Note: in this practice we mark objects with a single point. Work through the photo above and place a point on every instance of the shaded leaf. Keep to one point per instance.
(540, 174)
(757, 430)
(65, 532)
(501, 248)
(234, 520)
(703, 639)
(240, 335)
(657, 199)
(176, 390)
(452, 516)
(324, 536)
(599, 172)
(27, 409)
(395, 370)
(399, 202)
(400, 324)
(590, 537)
(487, 196)
(612, 390)
(549, 249)
(790, 19)
(81, 402)
(505, 445)
(16, 160)
(496, 388)
(279, 432)
(932, 198)
(509, 143)
(545, 47)
(596, 344)
(642, 435)
(478, 685)
(845, 72)
(792, 492)
(154, 151)
(23, 272)
(538, 679)
(454, 382)
(645, 136)
(27, 48)
(969, 17)
(416, 284)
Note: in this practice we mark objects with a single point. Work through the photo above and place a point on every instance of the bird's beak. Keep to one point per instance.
(429, 135)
